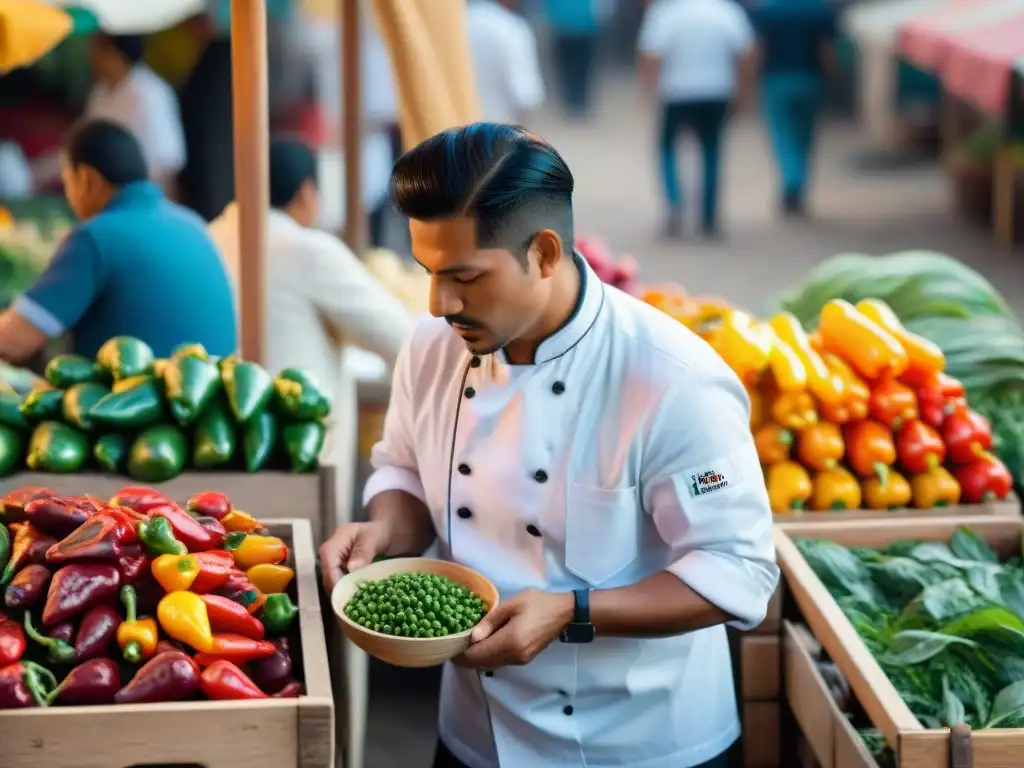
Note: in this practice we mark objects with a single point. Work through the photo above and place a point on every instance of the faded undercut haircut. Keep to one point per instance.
(512, 184)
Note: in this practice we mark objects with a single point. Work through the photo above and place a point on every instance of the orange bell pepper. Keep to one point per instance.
(869, 348)
(923, 355)
(835, 489)
(892, 403)
(934, 488)
(892, 493)
(820, 446)
(824, 384)
(870, 449)
(855, 392)
(773, 444)
(789, 486)
(757, 410)
(788, 371)
(794, 410)
(744, 347)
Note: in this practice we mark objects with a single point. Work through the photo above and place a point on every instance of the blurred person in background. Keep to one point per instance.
(797, 51)
(505, 64)
(136, 265)
(696, 60)
(574, 27)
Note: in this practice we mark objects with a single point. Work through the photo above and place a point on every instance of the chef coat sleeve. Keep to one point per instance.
(702, 484)
(65, 291)
(393, 458)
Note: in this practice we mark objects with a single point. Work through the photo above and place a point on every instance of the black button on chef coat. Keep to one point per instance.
(533, 530)
(558, 387)
(469, 392)
(464, 513)
(463, 469)
(475, 362)
(567, 709)
(540, 476)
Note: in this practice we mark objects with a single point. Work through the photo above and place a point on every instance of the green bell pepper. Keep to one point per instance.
(56, 447)
(125, 356)
(302, 442)
(157, 535)
(226, 366)
(79, 400)
(197, 351)
(259, 437)
(298, 397)
(277, 614)
(110, 452)
(191, 384)
(42, 403)
(10, 410)
(160, 367)
(64, 371)
(134, 408)
(216, 436)
(249, 389)
(158, 454)
(12, 446)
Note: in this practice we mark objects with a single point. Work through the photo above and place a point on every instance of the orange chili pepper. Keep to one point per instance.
(820, 446)
(869, 348)
(794, 410)
(870, 449)
(892, 403)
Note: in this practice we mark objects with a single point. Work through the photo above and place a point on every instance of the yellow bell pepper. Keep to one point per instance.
(757, 411)
(136, 637)
(270, 579)
(788, 371)
(773, 444)
(237, 520)
(868, 347)
(822, 383)
(935, 488)
(894, 493)
(744, 346)
(835, 489)
(794, 410)
(923, 355)
(251, 549)
(820, 446)
(175, 572)
(856, 394)
(183, 616)
(789, 487)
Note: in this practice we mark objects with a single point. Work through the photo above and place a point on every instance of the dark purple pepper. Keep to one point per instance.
(76, 588)
(25, 684)
(57, 517)
(216, 530)
(96, 632)
(170, 676)
(96, 681)
(64, 631)
(274, 672)
(28, 587)
(12, 506)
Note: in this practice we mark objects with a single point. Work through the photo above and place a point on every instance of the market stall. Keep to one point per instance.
(926, 40)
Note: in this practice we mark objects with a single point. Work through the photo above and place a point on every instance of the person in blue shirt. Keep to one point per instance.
(797, 42)
(137, 264)
(574, 28)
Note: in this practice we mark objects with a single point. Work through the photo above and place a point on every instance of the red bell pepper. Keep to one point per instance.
(919, 447)
(103, 538)
(228, 616)
(985, 479)
(892, 403)
(90, 504)
(140, 498)
(967, 435)
(224, 681)
(932, 407)
(187, 529)
(215, 569)
(29, 548)
(209, 504)
(12, 641)
(235, 648)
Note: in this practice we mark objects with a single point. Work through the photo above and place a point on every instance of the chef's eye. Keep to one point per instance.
(464, 280)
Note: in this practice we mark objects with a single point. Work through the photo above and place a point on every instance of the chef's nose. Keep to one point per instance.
(443, 301)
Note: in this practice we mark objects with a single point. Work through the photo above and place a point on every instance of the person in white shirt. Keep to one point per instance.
(695, 55)
(509, 82)
(128, 92)
(583, 451)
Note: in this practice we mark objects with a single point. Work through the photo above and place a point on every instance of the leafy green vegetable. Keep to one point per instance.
(944, 621)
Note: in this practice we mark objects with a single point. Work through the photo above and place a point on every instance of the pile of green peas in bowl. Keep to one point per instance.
(415, 605)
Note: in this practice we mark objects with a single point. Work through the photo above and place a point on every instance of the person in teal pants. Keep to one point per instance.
(797, 47)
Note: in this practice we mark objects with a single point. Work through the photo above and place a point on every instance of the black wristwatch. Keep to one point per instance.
(580, 630)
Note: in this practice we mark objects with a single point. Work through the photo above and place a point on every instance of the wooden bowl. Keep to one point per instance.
(412, 652)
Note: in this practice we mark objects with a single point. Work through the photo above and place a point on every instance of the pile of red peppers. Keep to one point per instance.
(136, 599)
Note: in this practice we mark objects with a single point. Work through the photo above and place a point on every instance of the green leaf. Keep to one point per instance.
(991, 619)
(914, 646)
(953, 711)
(1008, 705)
(966, 544)
(941, 602)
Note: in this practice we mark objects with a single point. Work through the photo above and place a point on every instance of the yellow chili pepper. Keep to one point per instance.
(175, 572)
(270, 579)
(935, 488)
(894, 493)
(856, 394)
(136, 637)
(773, 444)
(757, 413)
(923, 355)
(744, 347)
(794, 410)
(789, 486)
(237, 520)
(820, 446)
(251, 549)
(823, 383)
(863, 343)
(835, 489)
(787, 369)
(183, 616)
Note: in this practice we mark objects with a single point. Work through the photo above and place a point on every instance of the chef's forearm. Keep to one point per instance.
(659, 606)
(410, 529)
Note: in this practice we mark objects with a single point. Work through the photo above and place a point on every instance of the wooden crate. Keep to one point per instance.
(760, 667)
(915, 746)
(263, 494)
(761, 734)
(1008, 506)
(273, 733)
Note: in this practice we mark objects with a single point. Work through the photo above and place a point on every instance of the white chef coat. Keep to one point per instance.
(625, 450)
(505, 63)
(147, 106)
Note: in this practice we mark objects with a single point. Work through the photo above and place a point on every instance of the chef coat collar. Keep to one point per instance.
(582, 319)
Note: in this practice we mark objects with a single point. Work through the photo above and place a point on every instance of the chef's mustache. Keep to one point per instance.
(464, 320)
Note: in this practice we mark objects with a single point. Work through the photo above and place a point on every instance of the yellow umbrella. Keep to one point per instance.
(29, 30)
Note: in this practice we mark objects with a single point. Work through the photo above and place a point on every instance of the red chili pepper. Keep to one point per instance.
(133, 562)
(985, 479)
(187, 529)
(919, 447)
(967, 435)
(235, 648)
(90, 504)
(12, 506)
(228, 616)
(215, 528)
(140, 498)
(215, 569)
(892, 403)
(12, 641)
(57, 517)
(224, 681)
(100, 539)
(209, 504)
(28, 548)
(240, 588)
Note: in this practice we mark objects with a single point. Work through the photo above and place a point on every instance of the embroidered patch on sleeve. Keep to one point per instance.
(708, 481)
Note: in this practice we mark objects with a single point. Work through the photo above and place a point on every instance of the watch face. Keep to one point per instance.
(579, 633)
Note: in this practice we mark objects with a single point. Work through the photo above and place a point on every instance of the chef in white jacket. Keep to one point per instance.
(587, 454)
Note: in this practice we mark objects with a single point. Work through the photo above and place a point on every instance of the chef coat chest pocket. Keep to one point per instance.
(602, 531)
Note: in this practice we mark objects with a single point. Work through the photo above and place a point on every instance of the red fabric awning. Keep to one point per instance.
(925, 41)
(980, 64)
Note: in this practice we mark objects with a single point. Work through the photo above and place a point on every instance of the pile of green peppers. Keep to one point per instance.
(127, 412)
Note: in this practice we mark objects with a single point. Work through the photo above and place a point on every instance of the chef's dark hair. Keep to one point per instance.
(132, 47)
(292, 164)
(107, 148)
(512, 183)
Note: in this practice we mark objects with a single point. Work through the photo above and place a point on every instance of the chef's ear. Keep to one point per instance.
(547, 248)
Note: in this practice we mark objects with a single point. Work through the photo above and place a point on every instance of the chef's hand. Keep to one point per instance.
(516, 631)
(351, 547)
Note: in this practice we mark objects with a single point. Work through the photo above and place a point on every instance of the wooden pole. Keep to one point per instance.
(351, 124)
(252, 167)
